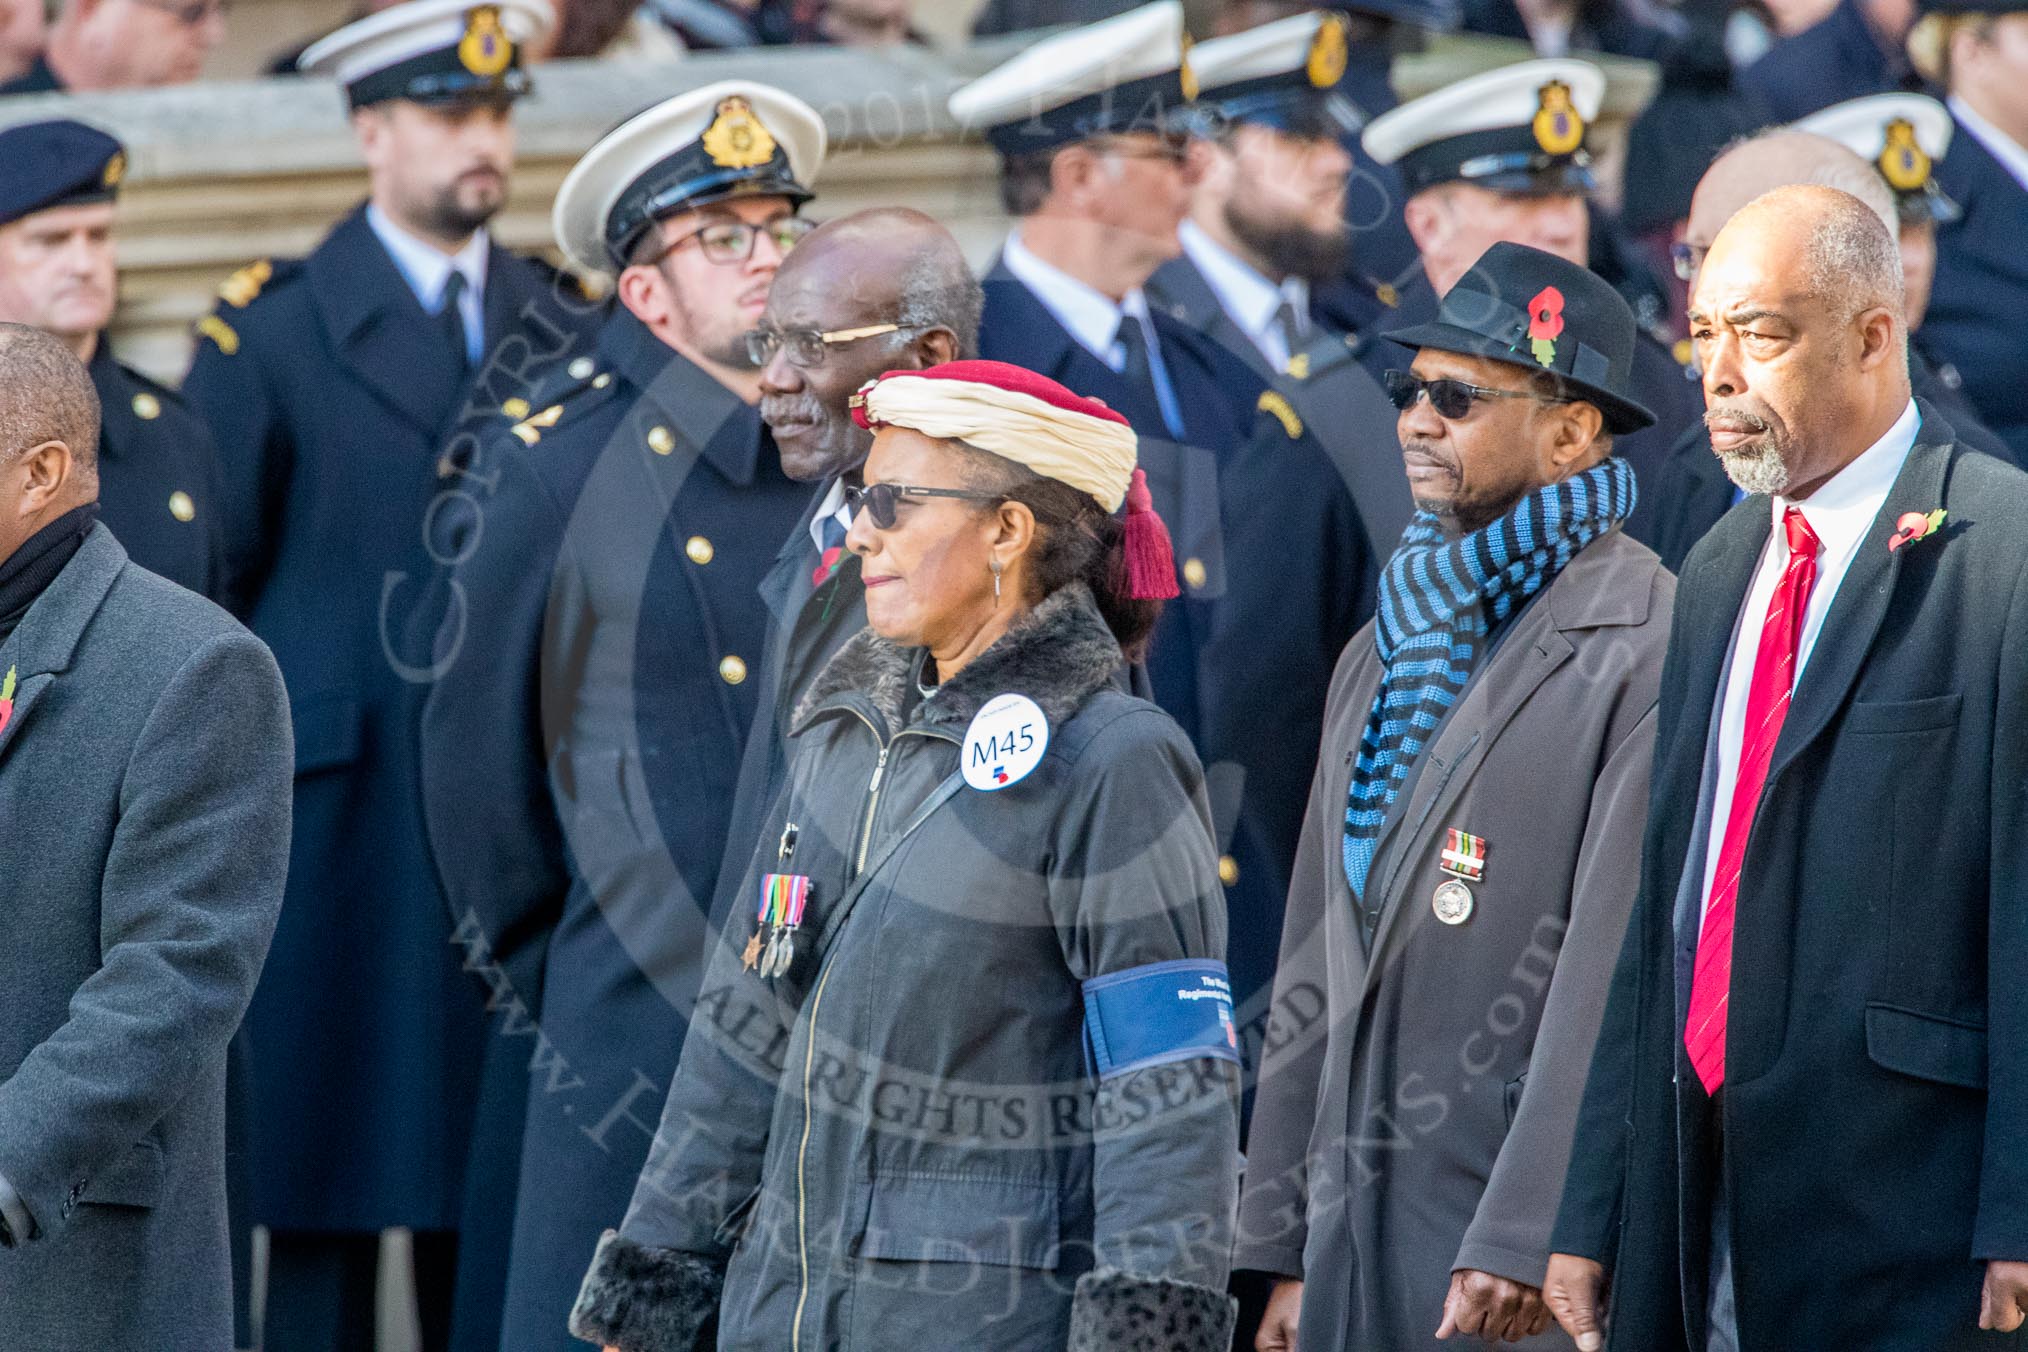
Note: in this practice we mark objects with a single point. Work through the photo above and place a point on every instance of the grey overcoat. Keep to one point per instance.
(1417, 1099)
(144, 836)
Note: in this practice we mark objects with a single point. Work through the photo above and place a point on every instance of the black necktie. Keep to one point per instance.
(1295, 333)
(1135, 340)
(451, 320)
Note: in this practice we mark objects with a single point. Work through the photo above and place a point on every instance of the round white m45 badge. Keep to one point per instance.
(1005, 742)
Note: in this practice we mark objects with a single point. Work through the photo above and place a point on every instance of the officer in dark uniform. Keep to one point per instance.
(1974, 322)
(158, 474)
(1092, 164)
(1501, 156)
(581, 740)
(1310, 507)
(332, 386)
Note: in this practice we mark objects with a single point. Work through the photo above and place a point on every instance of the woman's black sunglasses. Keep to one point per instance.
(880, 500)
(1452, 399)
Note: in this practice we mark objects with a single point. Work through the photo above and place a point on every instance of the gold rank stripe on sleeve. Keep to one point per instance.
(530, 429)
(219, 332)
(1272, 401)
(240, 289)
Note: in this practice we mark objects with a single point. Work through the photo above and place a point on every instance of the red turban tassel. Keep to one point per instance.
(1149, 559)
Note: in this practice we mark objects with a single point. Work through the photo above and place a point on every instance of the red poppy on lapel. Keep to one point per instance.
(7, 699)
(1913, 526)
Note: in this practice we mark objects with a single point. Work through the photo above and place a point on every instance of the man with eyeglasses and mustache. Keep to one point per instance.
(594, 684)
(123, 44)
(331, 386)
(887, 289)
(1462, 886)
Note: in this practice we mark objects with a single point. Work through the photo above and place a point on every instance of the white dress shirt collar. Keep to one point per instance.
(1843, 508)
(2011, 154)
(427, 269)
(833, 506)
(1841, 513)
(1088, 314)
(1249, 298)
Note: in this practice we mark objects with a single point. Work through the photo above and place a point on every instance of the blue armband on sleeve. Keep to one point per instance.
(1165, 1011)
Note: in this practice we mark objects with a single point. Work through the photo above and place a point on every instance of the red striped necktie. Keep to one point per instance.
(1767, 706)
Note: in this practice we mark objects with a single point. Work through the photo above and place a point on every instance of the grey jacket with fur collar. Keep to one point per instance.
(900, 1142)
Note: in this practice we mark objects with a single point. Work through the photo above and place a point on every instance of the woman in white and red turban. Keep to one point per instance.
(966, 1075)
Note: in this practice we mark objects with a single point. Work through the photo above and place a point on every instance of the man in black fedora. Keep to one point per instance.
(1465, 873)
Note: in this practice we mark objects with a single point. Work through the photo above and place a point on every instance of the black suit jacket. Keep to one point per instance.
(1875, 1110)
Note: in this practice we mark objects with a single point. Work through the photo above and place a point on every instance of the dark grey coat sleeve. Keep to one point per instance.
(1510, 1233)
(1137, 883)
(188, 900)
(1273, 1204)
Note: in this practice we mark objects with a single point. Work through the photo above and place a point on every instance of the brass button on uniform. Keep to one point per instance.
(699, 549)
(660, 441)
(1228, 869)
(580, 368)
(147, 407)
(1194, 574)
(601, 380)
(515, 408)
(733, 670)
(181, 507)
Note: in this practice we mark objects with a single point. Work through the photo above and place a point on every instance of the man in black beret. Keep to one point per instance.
(158, 473)
(1462, 885)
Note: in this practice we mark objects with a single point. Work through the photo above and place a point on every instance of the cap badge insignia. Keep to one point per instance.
(736, 139)
(1329, 51)
(115, 170)
(1184, 72)
(1558, 128)
(485, 50)
(1545, 324)
(1902, 162)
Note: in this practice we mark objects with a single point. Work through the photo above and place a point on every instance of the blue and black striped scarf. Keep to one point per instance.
(1439, 603)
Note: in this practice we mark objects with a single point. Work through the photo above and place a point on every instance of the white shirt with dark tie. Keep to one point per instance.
(1252, 302)
(427, 270)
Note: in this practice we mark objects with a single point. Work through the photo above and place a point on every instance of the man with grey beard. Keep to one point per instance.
(880, 290)
(1690, 488)
(1266, 223)
(1818, 1012)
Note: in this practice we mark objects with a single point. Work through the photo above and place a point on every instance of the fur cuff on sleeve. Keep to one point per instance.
(642, 1299)
(1114, 1311)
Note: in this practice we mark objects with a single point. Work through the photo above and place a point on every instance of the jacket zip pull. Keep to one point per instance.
(872, 808)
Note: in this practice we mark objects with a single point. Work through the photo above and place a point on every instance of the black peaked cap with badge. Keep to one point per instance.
(1534, 310)
(1129, 73)
(1282, 75)
(733, 139)
(433, 52)
(1518, 129)
(57, 164)
(1902, 136)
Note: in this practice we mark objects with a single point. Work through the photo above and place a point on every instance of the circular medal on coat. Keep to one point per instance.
(1452, 902)
(1005, 742)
